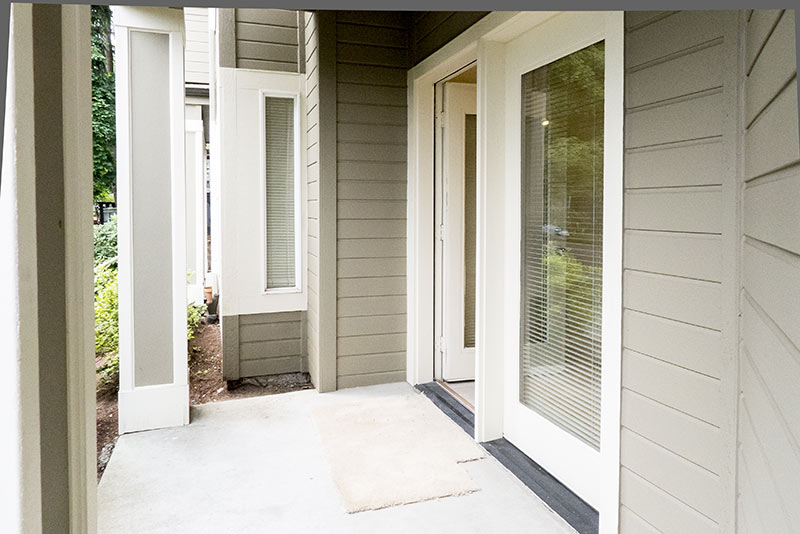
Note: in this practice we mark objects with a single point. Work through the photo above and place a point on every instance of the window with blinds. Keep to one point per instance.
(470, 239)
(562, 241)
(281, 197)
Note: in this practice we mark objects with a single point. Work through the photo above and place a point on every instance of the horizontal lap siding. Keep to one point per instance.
(769, 360)
(269, 39)
(312, 182)
(196, 58)
(430, 30)
(371, 55)
(268, 343)
(672, 406)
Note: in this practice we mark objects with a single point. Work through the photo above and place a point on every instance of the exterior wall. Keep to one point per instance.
(263, 344)
(196, 58)
(312, 182)
(268, 39)
(677, 437)
(430, 30)
(371, 59)
(769, 356)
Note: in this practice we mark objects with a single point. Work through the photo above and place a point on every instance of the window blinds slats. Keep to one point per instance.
(280, 192)
(470, 153)
(562, 235)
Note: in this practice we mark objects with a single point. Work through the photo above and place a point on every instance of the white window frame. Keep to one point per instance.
(263, 94)
(241, 177)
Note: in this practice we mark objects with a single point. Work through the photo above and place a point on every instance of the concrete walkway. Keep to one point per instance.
(257, 465)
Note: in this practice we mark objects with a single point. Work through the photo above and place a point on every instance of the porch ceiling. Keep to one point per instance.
(258, 465)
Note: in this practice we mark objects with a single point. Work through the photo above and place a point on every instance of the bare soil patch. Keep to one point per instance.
(205, 385)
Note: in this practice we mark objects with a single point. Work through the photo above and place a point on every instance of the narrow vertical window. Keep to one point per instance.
(562, 241)
(281, 194)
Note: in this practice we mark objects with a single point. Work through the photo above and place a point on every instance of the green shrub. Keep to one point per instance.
(106, 310)
(193, 314)
(105, 241)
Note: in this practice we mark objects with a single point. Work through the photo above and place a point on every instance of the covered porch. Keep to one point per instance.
(259, 464)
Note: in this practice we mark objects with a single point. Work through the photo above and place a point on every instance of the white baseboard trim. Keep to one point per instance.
(151, 407)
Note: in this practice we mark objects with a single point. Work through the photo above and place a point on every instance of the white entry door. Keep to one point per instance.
(458, 273)
(564, 220)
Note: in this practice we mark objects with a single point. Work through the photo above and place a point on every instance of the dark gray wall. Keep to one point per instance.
(270, 39)
(430, 30)
(371, 62)
(263, 344)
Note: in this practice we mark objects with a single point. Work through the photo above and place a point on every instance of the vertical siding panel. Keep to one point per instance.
(769, 359)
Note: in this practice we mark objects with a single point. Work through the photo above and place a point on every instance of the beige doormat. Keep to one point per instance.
(394, 450)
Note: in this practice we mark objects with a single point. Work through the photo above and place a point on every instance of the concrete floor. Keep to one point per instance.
(257, 465)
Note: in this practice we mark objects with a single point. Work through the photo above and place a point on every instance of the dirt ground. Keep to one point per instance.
(205, 385)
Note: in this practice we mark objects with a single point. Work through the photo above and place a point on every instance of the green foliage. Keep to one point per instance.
(193, 315)
(106, 310)
(103, 106)
(105, 241)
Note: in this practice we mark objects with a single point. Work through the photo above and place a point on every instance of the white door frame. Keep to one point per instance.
(458, 361)
(486, 42)
(541, 439)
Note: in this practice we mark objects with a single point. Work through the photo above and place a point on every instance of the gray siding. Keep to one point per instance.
(312, 181)
(675, 473)
(769, 358)
(263, 344)
(371, 58)
(431, 30)
(196, 50)
(320, 31)
(269, 39)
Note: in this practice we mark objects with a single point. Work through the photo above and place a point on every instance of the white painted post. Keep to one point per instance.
(151, 216)
(195, 204)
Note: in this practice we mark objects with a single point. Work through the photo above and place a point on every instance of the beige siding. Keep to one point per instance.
(769, 359)
(312, 179)
(371, 55)
(430, 30)
(269, 39)
(196, 50)
(674, 283)
(263, 344)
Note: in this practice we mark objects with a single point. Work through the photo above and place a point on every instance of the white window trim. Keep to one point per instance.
(242, 290)
(298, 194)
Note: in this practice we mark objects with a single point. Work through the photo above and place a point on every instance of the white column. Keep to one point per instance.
(151, 216)
(196, 245)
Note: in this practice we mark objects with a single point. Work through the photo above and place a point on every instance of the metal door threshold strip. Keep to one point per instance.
(575, 511)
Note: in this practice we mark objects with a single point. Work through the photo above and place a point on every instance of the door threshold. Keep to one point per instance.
(451, 407)
(460, 398)
(574, 510)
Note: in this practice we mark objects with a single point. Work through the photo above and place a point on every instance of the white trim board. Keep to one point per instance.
(151, 407)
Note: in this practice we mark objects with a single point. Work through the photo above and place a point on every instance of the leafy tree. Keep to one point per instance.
(103, 106)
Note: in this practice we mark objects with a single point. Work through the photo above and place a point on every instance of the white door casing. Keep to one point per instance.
(458, 360)
(591, 474)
